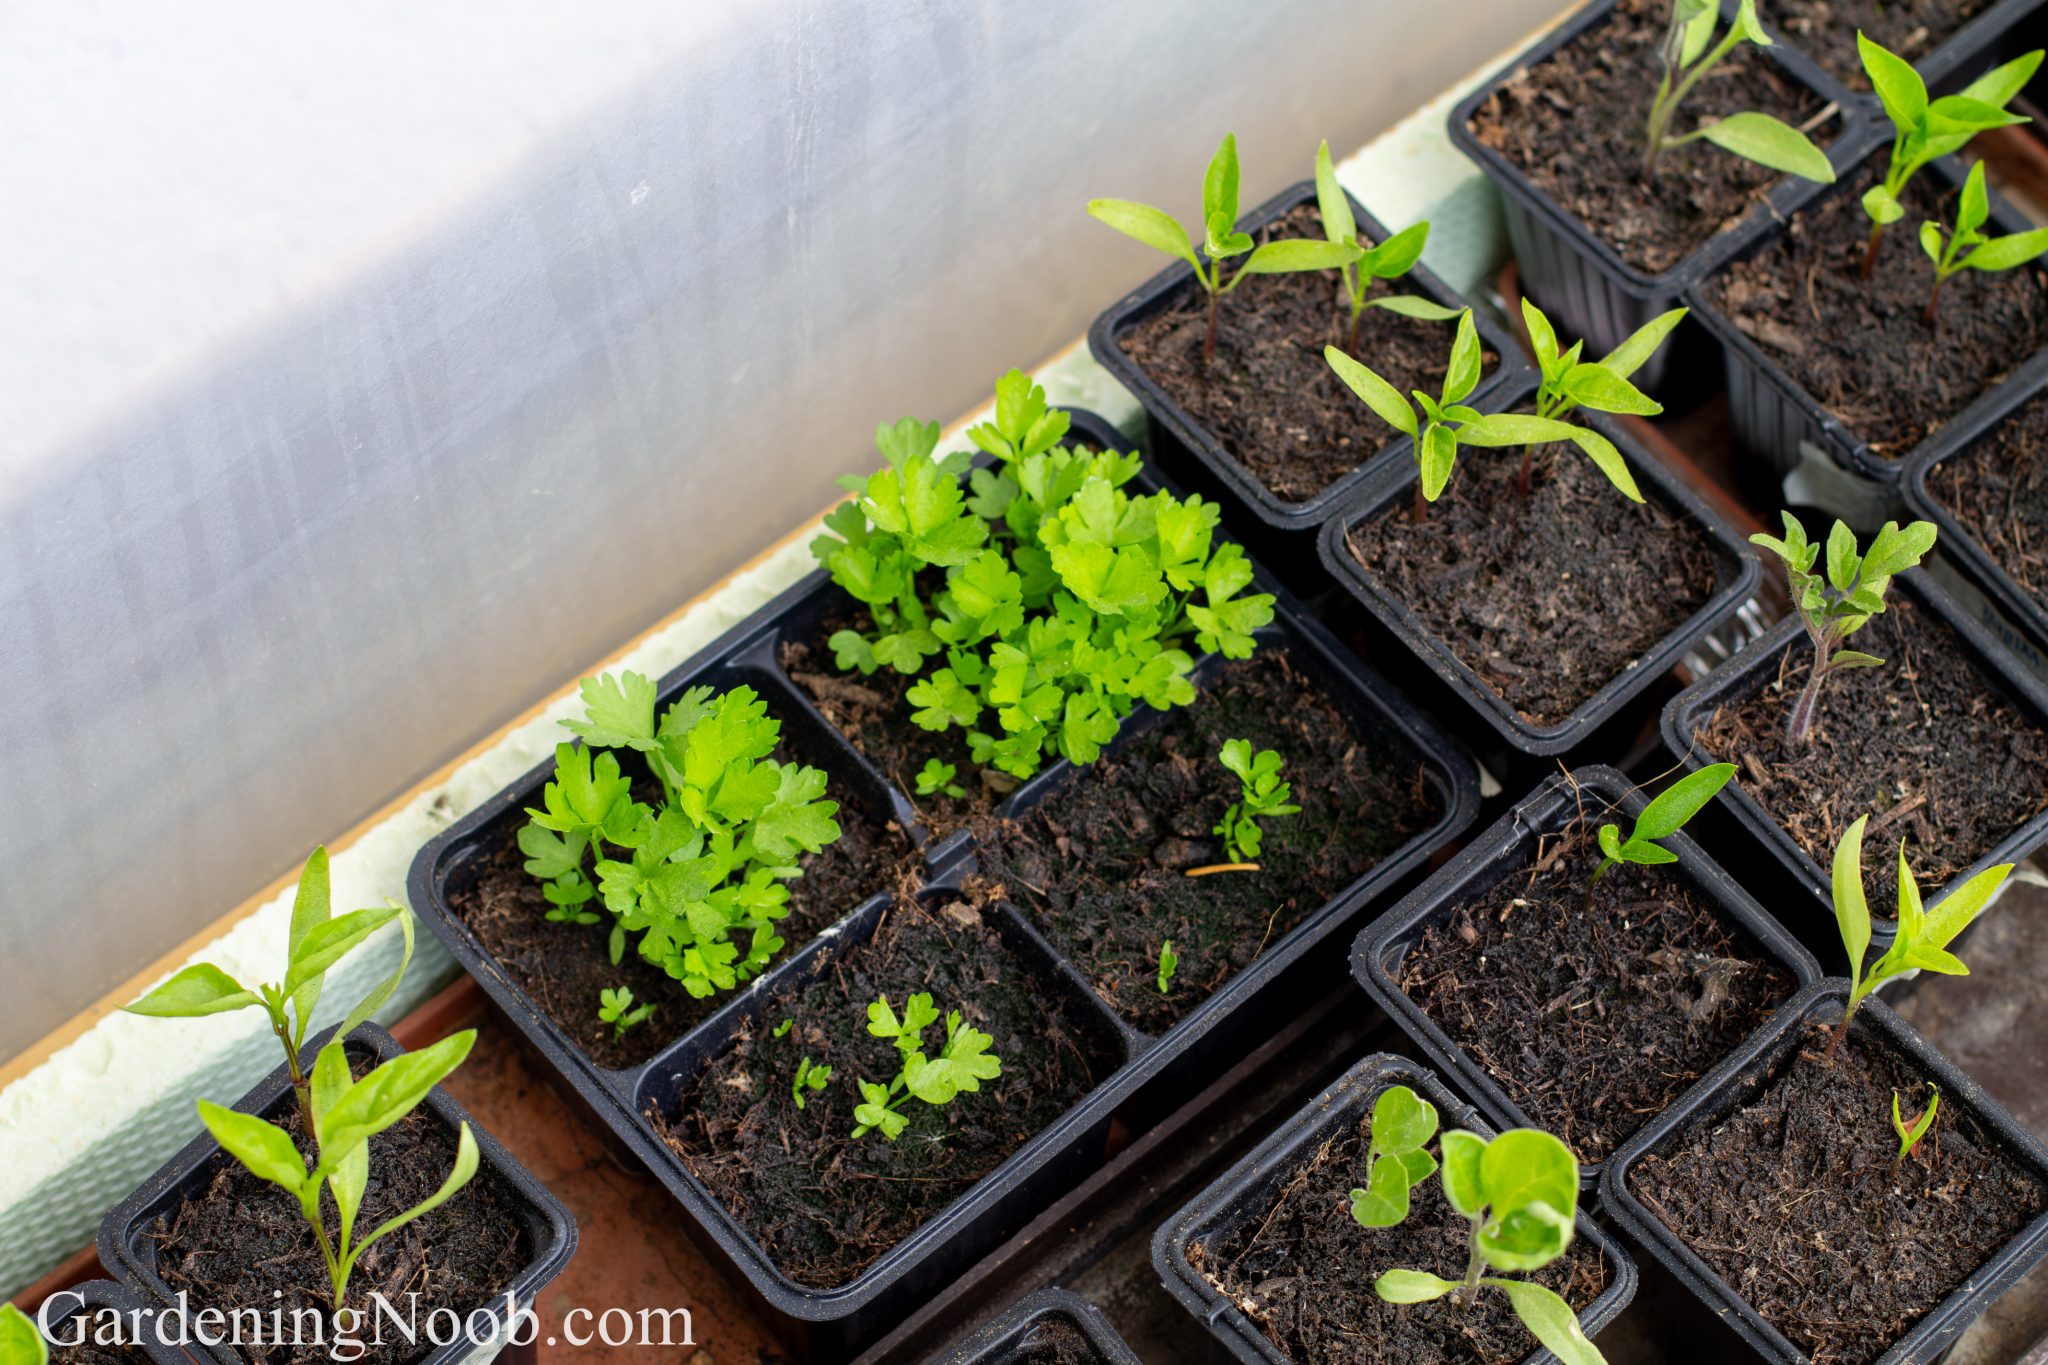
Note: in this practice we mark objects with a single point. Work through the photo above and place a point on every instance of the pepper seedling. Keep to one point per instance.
(1169, 963)
(615, 1007)
(963, 1063)
(1221, 240)
(1923, 935)
(1387, 261)
(1396, 1160)
(1661, 819)
(1968, 248)
(1910, 1134)
(316, 941)
(1835, 606)
(935, 778)
(20, 1342)
(1436, 427)
(808, 1077)
(1923, 129)
(1520, 1194)
(1569, 383)
(1688, 53)
(1261, 796)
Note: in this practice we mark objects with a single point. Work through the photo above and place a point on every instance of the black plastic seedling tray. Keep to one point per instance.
(1030, 1323)
(1993, 37)
(1501, 852)
(128, 1249)
(1271, 527)
(1580, 281)
(1250, 1186)
(830, 1324)
(1809, 912)
(1391, 488)
(1739, 1079)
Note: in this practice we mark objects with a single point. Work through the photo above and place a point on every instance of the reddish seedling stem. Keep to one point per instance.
(1870, 252)
(1928, 317)
(1421, 508)
(1209, 346)
(1522, 484)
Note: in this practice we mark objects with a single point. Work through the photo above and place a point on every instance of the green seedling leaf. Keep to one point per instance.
(1772, 143)
(20, 1342)
(1689, 53)
(1402, 1124)
(198, 990)
(1412, 1286)
(1662, 818)
(1169, 963)
(264, 1148)
(1550, 1319)
(388, 1093)
(1261, 796)
(1910, 1134)
(1635, 352)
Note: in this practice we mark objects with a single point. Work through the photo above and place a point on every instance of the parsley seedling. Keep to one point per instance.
(1835, 606)
(1968, 248)
(1261, 796)
(1389, 261)
(1910, 1134)
(317, 940)
(1923, 129)
(1396, 1161)
(936, 778)
(20, 1342)
(1221, 240)
(1520, 1193)
(1169, 963)
(615, 1007)
(1661, 819)
(1923, 935)
(808, 1077)
(712, 860)
(963, 1063)
(1689, 53)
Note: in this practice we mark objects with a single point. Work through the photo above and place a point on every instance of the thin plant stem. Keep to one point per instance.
(1800, 727)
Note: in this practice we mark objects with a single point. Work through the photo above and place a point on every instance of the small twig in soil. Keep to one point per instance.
(1212, 869)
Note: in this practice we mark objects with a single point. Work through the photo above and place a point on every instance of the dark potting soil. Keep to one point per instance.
(1102, 866)
(1268, 396)
(1826, 30)
(1051, 1341)
(1302, 1269)
(89, 1351)
(243, 1243)
(1999, 490)
(1791, 1199)
(1860, 347)
(1547, 598)
(823, 1204)
(1593, 1012)
(1574, 126)
(564, 967)
(1921, 745)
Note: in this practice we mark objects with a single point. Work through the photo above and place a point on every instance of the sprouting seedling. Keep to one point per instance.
(1689, 52)
(1438, 426)
(1923, 129)
(1923, 936)
(1835, 606)
(1910, 1134)
(1221, 240)
(935, 778)
(316, 941)
(1968, 248)
(963, 1063)
(615, 1007)
(1570, 383)
(1169, 963)
(1396, 1161)
(20, 1342)
(808, 1077)
(1661, 819)
(1261, 796)
(782, 1029)
(1519, 1193)
(1389, 260)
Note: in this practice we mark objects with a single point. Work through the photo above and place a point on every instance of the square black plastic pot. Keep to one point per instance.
(1580, 281)
(1756, 666)
(77, 1310)
(128, 1250)
(1737, 575)
(1775, 419)
(1028, 1323)
(2003, 31)
(1739, 1080)
(1241, 1194)
(1271, 527)
(1504, 850)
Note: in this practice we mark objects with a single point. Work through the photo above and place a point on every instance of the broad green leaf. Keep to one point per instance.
(2005, 253)
(1542, 336)
(20, 1342)
(1610, 843)
(1402, 1121)
(1219, 191)
(618, 712)
(1464, 1184)
(1437, 454)
(1931, 242)
(1396, 256)
(1843, 561)
(1550, 1319)
(1296, 254)
(1647, 854)
(1150, 226)
(1495, 430)
(1415, 306)
(374, 1001)
(1601, 389)
(1850, 658)
(1882, 207)
(1376, 393)
(1852, 911)
(329, 942)
(1953, 913)
(1772, 143)
(1338, 223)
(197, 990)
(1385, 1203)
(1525, 1166)
(390, 1092)
(466, 1160)
(1998, 86)
(1899, 87)
(1895, 549)
(1529, 1238)
(1412, 1286)
(1462, 374)
(263, 1147)
(1629, 357)
(1696, 18)
(1748, 27)
(1607, 460)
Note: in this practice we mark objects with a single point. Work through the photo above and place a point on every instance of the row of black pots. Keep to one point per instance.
(1155, 1070)
(128, 1242)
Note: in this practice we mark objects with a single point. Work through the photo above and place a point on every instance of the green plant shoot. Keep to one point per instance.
(1169, 963)
(1910, 1134)
(808, 1077)
(1923, 129)
(1661, 819)
(1261, 796)
(1221, 241)
(935, 778)
(1836, 605)
(963, 1063)
(1397, 1160)
(316, 941)
(20, 1342)
(1923, 935)
(1689, 53)
(1969, 248)
(1570, 382)
(615, 1007)
(1389, 260)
